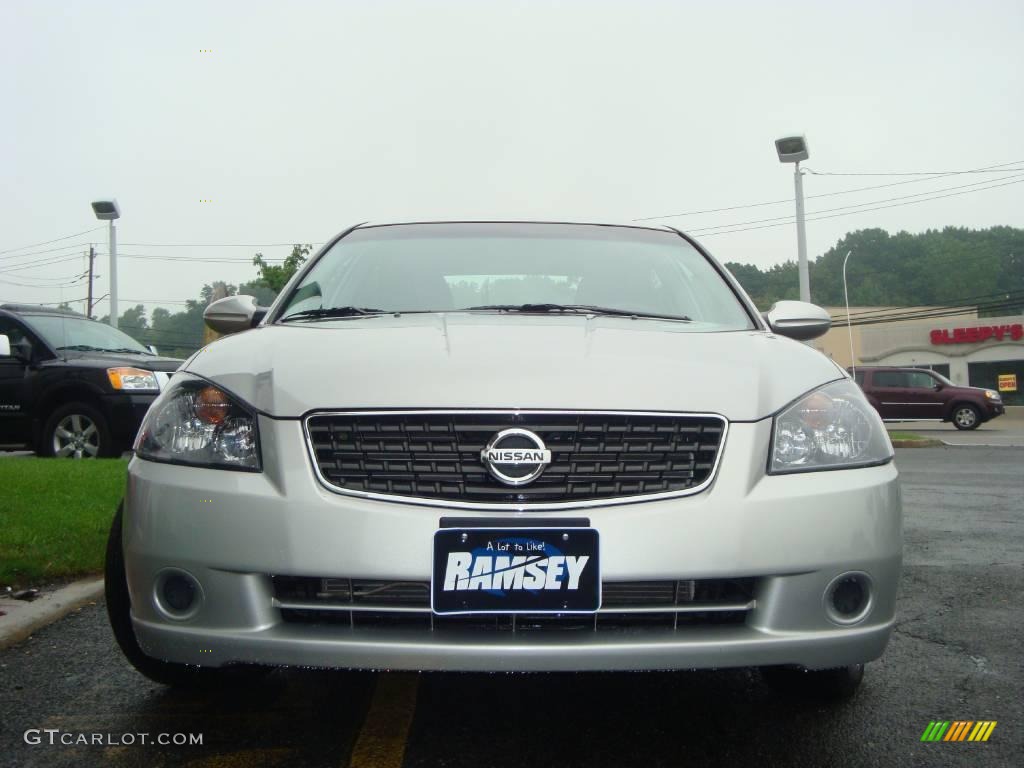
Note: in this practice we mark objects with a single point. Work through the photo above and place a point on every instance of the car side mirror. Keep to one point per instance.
(20, 350)
(233, 314)
(798, 320)
(152, 349)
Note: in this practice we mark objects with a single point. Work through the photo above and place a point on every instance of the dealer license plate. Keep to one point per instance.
(516, 570)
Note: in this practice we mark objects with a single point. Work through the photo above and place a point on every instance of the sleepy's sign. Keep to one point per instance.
(978, 334)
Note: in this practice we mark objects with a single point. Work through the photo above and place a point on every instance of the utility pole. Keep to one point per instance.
(92, 256)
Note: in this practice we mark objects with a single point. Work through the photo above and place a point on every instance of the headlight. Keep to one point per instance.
(992, 395)
(831, 428)
(195, 422)
(132, 379)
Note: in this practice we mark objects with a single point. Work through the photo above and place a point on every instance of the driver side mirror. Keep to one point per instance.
(21, 350)
(798, 320)
(234, 314)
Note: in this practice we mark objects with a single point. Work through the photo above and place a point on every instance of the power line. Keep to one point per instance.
(789, 219)
(914, 173)
(217, 245)
(198, 259)
(48, 250)
(963, 301)
(22, 267)
(946, 312)
(37, 285)
(726, 231)
(825, 194)
(55, 240)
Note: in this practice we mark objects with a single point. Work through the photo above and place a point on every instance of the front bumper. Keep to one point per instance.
(124, 413)
(232, 531)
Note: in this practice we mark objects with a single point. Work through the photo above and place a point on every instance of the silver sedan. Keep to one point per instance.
(509, 446)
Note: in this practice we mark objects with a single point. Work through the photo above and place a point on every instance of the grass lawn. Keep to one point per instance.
(905, 436)
(55, 515)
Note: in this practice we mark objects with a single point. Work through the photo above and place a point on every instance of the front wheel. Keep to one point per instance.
(966, 417)
(76, 431)
(836, 684)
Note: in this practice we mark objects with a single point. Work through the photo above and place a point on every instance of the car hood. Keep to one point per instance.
(111, 359)
(512, 361)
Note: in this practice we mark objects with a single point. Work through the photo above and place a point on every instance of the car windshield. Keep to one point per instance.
(535, 268)
(65, 332)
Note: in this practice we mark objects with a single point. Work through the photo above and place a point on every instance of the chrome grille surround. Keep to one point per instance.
(714, 422)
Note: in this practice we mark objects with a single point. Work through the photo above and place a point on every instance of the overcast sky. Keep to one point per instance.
(306, 117)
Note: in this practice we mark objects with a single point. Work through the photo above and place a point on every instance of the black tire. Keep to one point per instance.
(119, 608)
(76, 430)
(838, 684)
(966, 416)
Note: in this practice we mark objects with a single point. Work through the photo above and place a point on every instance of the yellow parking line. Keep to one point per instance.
(381, 740)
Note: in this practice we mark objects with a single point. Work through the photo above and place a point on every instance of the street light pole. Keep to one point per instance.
(793, 149)
(801, 236)
(113, 274)
(108, 210)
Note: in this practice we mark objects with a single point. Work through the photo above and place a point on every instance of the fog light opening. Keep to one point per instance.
(848, 598)
(177, 594)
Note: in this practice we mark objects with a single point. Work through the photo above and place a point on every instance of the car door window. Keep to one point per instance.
(891, 379)
(920, 380)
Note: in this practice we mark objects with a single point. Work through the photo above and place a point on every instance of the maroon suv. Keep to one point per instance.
(913, 394)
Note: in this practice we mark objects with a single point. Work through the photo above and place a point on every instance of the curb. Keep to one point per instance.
(927, 443)
(28, 618)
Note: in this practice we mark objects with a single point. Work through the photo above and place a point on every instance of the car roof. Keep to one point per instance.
(35, 309)
(892, 368)
(502, 220)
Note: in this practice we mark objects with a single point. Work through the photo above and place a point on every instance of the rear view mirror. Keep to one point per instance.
(798, 320)
(233, 314)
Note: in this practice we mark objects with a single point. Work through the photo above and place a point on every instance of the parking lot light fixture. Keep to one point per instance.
(793, 149)
(107, 210)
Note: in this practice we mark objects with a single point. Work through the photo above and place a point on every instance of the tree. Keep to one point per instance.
(932, 268)
(274, 277)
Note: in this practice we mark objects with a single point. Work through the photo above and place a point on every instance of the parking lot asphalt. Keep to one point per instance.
(957, 654)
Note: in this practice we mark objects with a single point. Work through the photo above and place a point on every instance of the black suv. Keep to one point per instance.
(71, 386)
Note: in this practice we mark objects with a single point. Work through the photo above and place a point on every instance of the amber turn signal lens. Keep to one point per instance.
(212, 405)
(816, 410)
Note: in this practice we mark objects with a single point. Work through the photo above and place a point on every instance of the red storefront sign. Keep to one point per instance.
(978, 334)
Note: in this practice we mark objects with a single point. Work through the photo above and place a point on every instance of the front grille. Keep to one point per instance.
(434, 455)
(626, 605)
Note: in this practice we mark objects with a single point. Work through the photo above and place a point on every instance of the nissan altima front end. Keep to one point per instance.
(509, 446)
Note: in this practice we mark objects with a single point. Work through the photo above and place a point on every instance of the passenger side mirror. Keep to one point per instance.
(152, 349)
(798, 320)
(234, 314)
(5, 346)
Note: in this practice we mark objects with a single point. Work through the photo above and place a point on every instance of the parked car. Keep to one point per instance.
(509, 447)
(71, 386)
(918, 394)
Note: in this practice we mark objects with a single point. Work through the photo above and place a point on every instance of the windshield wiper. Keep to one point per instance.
(82, 348)
(332, 312)
(587, 309)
